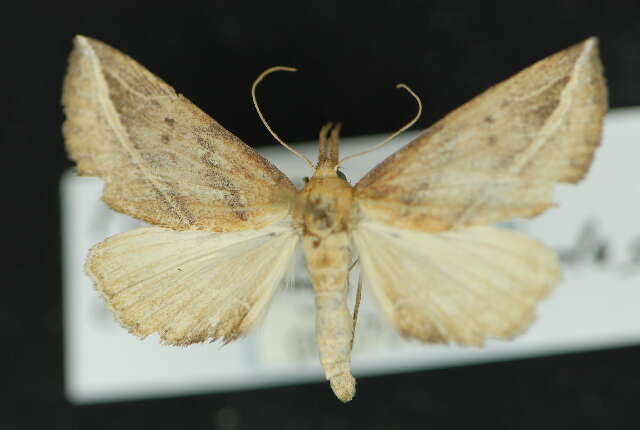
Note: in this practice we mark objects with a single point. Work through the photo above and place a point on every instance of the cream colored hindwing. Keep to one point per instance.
(459, 286)
(192, 286)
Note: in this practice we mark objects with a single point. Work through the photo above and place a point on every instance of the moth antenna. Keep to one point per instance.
(255, 104)
(393, 136)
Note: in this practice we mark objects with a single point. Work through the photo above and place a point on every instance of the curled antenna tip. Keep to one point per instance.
(255, 104)
(388, 139)
(285, 68)
(270, 70)
(410, 91)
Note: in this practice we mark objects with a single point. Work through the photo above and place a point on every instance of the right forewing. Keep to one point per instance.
(162, 159)
(191, 286)
(461, 286)
(498, 156)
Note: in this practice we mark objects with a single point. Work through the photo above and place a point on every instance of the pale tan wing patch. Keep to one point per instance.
(498, 156)
(162, 159)
(192, 286)
(460, 286)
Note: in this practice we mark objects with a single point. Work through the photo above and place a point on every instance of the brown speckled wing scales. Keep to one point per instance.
(498, 156)
(161, 158)
(437, 272)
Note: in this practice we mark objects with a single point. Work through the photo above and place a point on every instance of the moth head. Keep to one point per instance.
(328, 146)
(339, 174)
(329, 140)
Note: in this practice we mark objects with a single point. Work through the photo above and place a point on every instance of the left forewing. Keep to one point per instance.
(191, 286)
(162, 159)
(460, 286)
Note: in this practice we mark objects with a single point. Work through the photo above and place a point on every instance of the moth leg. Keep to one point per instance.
(357, 260)
(356, 306)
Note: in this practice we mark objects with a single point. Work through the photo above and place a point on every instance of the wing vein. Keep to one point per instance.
(117, 128)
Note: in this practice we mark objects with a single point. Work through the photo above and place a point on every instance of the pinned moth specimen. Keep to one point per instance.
(225, 221)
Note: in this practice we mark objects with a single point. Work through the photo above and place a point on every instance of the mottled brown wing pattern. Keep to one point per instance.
(161, 158)
(498, 156)
(166, 162)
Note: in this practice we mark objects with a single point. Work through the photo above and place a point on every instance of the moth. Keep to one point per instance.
(225, 221)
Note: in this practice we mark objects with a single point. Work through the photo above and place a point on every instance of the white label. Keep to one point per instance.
(595, 229)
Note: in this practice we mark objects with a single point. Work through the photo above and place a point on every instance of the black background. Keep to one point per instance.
(350, 55)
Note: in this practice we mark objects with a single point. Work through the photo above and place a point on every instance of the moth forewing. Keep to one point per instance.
(437, 276)
(161, 158)
(498, 156)
(192, 286)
